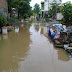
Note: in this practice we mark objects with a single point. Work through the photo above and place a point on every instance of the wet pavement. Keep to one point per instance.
(28, 49)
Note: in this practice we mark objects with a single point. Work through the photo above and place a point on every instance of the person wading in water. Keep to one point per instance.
(37, 18)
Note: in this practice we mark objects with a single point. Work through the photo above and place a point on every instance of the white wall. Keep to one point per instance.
(46, 6)
(59, 16)
(47, 3)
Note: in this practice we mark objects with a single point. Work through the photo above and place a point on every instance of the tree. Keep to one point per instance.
(30, 12)
(10, 5)
(50, 12)
(22, 7)
(36, 8)
(67, 13)
(3, 21)
(54, 8)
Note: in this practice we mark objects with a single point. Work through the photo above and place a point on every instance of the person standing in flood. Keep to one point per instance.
(37, 19)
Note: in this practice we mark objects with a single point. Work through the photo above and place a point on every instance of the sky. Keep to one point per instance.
(35, 1)
(39, 2)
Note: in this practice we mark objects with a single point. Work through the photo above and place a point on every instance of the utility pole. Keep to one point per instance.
(56, 10)
(48, 5)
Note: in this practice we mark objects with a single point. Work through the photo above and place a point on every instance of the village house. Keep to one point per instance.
(42, 8)
(4, 8)
(47, 5)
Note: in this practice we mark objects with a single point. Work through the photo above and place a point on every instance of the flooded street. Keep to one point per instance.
(27, 49)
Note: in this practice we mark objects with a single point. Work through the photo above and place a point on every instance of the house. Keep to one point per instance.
(4, 8)
(47, 5)
(14, 13)
(42, 8)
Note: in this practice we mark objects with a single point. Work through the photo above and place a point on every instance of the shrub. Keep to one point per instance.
(47, 19)
(3, 21)
(67, 13)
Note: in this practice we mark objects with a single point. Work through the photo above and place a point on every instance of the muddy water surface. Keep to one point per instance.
(27, 49)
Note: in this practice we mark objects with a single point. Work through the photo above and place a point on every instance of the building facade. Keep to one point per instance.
(47, 5)
(42, 9)
(4, 8)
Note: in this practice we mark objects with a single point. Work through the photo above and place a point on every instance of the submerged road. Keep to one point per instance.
(27, 49)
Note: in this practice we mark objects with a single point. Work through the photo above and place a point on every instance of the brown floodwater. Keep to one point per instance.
(28, 49)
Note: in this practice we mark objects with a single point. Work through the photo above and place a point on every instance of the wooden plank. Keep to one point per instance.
(69, 48)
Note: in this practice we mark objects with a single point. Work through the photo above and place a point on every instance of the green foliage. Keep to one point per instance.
(47, 19)
(42, 20)
(22, 7)
(67, 13)
(34, 14)
(15, 18)
(54, 9)
(3, 21)
(25, 9)
(36, 8)
(50, 12)
(33, 20)
(10, 5)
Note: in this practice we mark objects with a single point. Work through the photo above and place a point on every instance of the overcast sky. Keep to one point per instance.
(39, 2)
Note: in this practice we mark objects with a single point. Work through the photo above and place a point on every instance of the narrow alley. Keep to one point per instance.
(28, 49)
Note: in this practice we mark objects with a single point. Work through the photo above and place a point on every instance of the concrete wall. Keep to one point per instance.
(4, 12)
(4, 8)
(47, 4)
(59, 16)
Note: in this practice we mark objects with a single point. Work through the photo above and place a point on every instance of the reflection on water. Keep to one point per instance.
(14, 50)
(70, 55)
(17, 30)
(62, 55)
(41, 30)
(5, 37)
(45, 30)
(29, 50)
(37, 28)
(22, 25)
